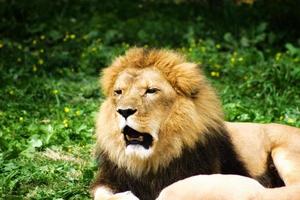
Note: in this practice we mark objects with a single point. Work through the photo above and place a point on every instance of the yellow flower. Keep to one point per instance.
(66, 123)
(41, 61)
(66, 109)
(78, 113)
(34, 68)
(232, 60)
(55, 91)
(215, 74)
(72, 36)
(278, 56)
(281, 117)
(21, 119)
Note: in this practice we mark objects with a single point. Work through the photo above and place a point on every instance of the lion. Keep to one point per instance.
(162, 122)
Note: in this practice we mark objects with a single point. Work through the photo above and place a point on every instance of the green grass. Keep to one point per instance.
(50, 59)
(48, 115)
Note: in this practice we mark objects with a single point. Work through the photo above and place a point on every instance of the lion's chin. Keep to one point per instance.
(138, 151)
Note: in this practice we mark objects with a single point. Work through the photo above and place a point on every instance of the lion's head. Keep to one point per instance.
(156, 104)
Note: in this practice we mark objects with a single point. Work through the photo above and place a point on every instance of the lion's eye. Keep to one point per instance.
(118, 92)
(151, 90)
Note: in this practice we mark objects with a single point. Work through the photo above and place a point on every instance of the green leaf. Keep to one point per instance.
(55, 35)
(293, 50)
(35, 142)
(244, 41)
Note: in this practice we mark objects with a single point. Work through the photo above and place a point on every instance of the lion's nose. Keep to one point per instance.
(126, 112)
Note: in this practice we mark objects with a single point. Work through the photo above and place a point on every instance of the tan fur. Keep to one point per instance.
(255, 141)
(185, 107)
(252, 144)
(213, 187)
(178, 114)
(226, 187)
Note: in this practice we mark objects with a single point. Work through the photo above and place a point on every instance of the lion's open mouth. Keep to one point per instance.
(133, 137)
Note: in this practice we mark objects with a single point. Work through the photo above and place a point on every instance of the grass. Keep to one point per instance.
(51, 58)
(46, 138)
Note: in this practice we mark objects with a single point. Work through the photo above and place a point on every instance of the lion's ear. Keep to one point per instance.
(105, 82)
(187, 78)
(108, 77)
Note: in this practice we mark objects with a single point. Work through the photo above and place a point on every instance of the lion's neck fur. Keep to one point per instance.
(204, 158)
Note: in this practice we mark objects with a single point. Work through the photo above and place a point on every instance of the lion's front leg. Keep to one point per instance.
(104, 193)
(214, 187)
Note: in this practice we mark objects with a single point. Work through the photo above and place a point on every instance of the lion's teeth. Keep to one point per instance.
(140, 138)
(127, 137)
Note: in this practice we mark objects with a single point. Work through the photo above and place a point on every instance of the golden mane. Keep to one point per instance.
(183, 76)
(197, 109)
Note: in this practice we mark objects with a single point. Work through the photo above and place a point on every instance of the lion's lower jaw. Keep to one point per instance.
(138, 151)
